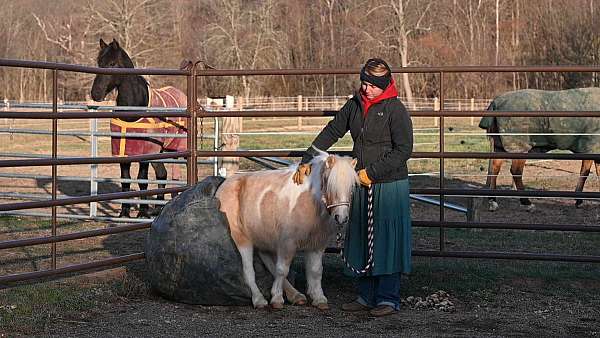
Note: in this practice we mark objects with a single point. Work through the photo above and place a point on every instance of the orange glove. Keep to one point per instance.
(302, 171)
(364, 178)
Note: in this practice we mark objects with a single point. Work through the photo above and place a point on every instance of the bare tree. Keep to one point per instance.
(400, 21)
(241, 38)
(252, 34)
(61, 33)
(560, 33)
(9, 33)
(143, 28)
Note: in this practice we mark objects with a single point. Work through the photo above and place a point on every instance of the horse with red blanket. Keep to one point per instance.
(133, 90)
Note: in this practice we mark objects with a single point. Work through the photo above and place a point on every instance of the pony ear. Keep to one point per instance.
(330, 161)
(353, 162)
(102, 44)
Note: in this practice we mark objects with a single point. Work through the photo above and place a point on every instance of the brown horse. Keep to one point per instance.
(542, 134)
(268, 211)
(133, 90)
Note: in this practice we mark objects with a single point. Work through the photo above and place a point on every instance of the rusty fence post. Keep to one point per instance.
(54, 156)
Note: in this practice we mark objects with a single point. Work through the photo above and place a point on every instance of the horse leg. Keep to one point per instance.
(516, 169)
(228, 195)
(314, 274)
(293, 296)
(143, 175)
(284, 258)
(176, 172)
(125, 174)
(246, 252)
(584, 172)
(494, 166)
(597, 164)
(161, 174)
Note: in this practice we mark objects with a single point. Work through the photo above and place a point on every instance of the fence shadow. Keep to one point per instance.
(80, 188)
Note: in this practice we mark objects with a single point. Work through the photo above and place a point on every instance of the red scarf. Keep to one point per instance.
(389, 92)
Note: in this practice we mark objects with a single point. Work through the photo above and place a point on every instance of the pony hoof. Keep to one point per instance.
(322, 306)
(493, 206)
(260, 304)
(143, 215)
(277, 306)
(156, 211)
(530, 208)
(299, 299)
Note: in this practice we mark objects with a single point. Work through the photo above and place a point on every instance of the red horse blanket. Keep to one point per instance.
(128, 146)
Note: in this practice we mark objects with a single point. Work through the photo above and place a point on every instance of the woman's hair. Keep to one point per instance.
(377, 67)
(376, 72)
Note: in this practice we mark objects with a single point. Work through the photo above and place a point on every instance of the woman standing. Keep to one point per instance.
(381, 130)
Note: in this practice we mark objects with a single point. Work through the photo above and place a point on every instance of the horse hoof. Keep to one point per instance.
(578, 204)
(143, 214)
(299, 299)
(260, 304)
(156, 211)
(322, 306)
(277, 306)
(493, 206)
(530, 208)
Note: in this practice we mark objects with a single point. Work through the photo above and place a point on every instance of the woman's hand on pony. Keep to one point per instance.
(301, 173)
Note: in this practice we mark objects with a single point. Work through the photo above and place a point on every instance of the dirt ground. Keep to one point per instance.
(515, 307)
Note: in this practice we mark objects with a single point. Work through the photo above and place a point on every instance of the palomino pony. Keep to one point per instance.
(133, 90)
(268, 211)
(542, 134)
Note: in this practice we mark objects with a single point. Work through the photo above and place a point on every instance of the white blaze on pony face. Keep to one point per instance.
(339, 180)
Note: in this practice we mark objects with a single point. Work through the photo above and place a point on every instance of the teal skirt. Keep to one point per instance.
(392, 233)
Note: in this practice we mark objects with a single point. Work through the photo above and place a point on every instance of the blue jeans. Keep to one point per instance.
(379, 290)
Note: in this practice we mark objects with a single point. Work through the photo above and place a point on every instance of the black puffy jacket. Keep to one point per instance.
(383, 141)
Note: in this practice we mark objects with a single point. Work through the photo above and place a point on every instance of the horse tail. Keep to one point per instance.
(490, 124)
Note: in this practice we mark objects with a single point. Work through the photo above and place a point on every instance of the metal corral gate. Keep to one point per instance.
(195, 111)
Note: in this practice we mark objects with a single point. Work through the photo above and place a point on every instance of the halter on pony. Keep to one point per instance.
(370, 223)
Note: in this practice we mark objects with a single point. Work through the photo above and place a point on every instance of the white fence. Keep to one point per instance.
(332, 103)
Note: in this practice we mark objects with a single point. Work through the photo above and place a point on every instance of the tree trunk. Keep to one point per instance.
(231, 141)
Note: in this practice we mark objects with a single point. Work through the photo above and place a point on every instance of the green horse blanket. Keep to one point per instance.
(556, 129)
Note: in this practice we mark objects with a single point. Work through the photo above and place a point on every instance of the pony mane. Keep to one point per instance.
(342, 177)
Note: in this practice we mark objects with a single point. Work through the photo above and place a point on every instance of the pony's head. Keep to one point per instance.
(338, 180)
(109, 56)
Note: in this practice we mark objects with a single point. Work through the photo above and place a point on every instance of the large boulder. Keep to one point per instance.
(190, 255)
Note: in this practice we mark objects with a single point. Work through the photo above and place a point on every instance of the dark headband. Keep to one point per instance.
(379, 81)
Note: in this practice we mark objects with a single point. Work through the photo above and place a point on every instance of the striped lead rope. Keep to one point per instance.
(370, 238)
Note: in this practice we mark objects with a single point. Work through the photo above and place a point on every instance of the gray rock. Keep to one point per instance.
(190, 256)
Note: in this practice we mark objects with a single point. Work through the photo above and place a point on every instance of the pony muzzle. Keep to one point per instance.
(340, 217)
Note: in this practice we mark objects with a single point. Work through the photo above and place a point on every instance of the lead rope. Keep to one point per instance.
(370, 238)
